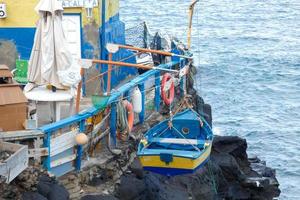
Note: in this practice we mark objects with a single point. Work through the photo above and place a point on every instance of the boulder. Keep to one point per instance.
(49, 188)
(99, 197)
(33, 196)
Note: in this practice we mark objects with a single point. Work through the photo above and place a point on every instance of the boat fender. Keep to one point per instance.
(81, 139)
(137, 100)
(130, 114)
(167, 99)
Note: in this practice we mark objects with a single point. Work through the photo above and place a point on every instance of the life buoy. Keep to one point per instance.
(167, 99)
(130, 114)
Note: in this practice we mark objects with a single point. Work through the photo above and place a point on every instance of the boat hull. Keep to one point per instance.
(179, 165)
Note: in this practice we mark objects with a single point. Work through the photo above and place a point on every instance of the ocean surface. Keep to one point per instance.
(248, 58)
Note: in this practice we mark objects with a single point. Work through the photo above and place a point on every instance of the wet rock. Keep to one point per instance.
(33, 196)
(137, 169)
(234, 146)
(131, 187)
(99, 197)
(228, 165)
(49, 188)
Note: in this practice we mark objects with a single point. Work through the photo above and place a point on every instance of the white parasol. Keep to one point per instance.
(50, 61)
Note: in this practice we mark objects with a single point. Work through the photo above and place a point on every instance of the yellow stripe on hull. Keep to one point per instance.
(178, 162)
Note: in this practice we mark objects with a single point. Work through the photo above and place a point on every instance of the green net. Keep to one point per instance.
(100, 102)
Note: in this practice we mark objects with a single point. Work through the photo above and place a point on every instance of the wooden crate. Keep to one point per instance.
(16, 163)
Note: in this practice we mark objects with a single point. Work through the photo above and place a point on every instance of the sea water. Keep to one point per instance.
(248, 58)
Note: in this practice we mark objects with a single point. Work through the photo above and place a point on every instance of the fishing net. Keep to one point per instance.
(138, 36)
(99, 101)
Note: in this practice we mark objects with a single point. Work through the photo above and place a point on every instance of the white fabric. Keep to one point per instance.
(50, 55)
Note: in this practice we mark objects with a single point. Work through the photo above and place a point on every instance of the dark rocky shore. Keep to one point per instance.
(230, 174)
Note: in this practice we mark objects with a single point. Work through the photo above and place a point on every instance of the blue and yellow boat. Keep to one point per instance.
(177, 146)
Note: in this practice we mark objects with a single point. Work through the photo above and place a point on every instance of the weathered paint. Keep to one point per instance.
(14, 24)
(8, 53)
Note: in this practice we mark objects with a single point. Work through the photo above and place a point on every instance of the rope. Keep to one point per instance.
(122, 121)
(198, 49)
(146, 146)
(186, 139)
(113, 68)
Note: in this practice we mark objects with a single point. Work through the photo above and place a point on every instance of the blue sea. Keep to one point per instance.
(248, 58)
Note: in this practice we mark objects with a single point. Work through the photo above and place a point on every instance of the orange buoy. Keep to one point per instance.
(167, 99)
(81, 139)
(130, 114)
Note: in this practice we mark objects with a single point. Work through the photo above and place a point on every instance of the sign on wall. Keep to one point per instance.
(79, 3)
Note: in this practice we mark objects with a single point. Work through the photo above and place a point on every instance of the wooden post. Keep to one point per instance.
(79, 91)
(157, 91)
(142, 113)
(191, 12)
(109, 74)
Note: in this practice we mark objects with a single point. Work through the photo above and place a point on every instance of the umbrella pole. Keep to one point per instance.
(79, 91)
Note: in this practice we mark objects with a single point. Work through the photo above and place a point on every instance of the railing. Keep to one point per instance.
(60, 135)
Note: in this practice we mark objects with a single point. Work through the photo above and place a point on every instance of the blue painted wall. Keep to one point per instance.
(114, 33)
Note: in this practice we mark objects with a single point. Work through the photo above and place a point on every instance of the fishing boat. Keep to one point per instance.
(179, 145)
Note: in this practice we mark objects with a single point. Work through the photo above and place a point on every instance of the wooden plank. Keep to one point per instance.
(96, 139)
(38, 142)
(20, 135)
(7, 146)
(178, 141)
(3, 170)
(99, 125)
(63, 160)
(63, 142)
(37, 152)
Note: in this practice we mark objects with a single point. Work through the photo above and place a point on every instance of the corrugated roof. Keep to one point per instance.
(11, 94)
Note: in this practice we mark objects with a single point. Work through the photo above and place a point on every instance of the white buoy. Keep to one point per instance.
(137, 100)
(81, 139)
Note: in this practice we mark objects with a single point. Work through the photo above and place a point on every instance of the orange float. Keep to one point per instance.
(167, 99)
(130, 114)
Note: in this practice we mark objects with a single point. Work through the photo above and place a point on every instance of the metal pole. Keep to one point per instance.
(79, 91)
(191, 12)
(115, 63)
(103, 14)
(165, 53)
(109, 74)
